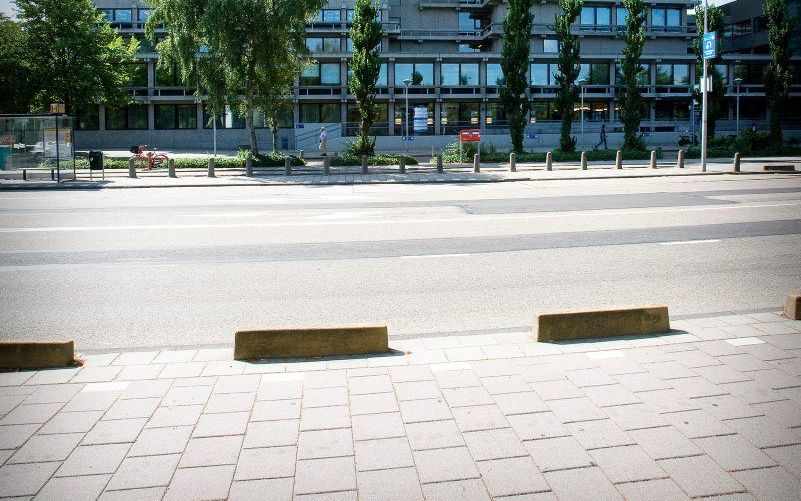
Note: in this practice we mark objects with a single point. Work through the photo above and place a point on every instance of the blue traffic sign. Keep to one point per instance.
(709, 44)
(298, 126)
(407, 138)
(531, 136)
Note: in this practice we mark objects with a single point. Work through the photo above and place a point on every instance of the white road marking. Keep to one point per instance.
(744, 341)
(686, 242)
(419, 256)
(465, 219)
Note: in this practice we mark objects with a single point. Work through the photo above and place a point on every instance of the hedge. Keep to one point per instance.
(353, 160)
(488, 154)
(268, 160)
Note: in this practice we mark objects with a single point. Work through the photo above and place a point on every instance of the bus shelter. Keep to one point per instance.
(37, 145)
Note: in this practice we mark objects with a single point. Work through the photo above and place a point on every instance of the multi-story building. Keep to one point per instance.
(444, 57)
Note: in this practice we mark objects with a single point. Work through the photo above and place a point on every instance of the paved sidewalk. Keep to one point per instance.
(711, 411)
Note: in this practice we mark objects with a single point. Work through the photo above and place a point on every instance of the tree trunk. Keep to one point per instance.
(274, 132)
(254, 148)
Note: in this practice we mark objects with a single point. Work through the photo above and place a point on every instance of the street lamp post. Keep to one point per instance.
(737, 82)
(704, 88)
(581, 91)
(406, 82)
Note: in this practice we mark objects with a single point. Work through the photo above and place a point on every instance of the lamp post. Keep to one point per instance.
(406, 82)
(737, 82)
(581, 91)
(705, 89)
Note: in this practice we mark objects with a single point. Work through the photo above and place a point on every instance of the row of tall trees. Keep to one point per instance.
(515, 58)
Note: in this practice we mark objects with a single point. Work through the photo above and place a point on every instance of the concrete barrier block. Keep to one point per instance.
(476, 162)
(618, 159)
(364, 164)
(36, 354)
(583, 160)
(653, 159)
(211, 167)
(779, 168)
(171, 167)
(131, 168)
(249, 165)
(589, 324)
(735, 167)
(326, 165)
(402, 164)
(512, 162)
(287, 166)
(680, 160)
(440, 170)
(549, 161)
(323, 341)
(792, 306)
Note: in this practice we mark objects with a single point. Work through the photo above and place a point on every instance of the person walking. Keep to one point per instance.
(323, 141)
(602, 137)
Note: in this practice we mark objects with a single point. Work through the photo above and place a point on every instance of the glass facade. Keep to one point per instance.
(319, 113)
(494, 74)
(418, 73)
(175, 116)
(458, 74)
(320, 74)
(130, 117)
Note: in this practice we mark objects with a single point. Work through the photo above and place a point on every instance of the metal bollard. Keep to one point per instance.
(680, 160)
(477, 162)
(131, 168)
(439, 163)
(24, 175)
(402, 164)
(287, 166)
(301, 155)
(171, 168)
(364, 164)
(52, 174)
(512, 162)
(583, 160)
(619, 160)
(326, 165)
(653, 159)
(736, 164)
(249, 164)
(211, 167)
(549, 161)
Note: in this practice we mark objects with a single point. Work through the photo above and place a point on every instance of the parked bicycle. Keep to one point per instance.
(147, 159)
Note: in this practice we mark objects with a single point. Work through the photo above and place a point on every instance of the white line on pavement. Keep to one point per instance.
(688, 242)
(419, 256)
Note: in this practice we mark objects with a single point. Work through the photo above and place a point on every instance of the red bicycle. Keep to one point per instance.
(147, 159)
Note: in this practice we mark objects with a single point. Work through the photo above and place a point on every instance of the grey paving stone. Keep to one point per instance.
(597, 434)
(325, 475)
(764, 431)
(194, 381)
(669, 370)
(383, 454)
(588, 484)
(41, 448)
(93, 459)
(176, 370)
(53, 393)
(230, 402)
(211, 451)
(788, 457)
(442, 465)
(457, 378)
(667, 401)
(325, 444)
(114, 432)
(373, 403)
(556, 389)
(752, 392)
(134, 408)
(96, 374)
(273, 410)
(135, 358)
(24, 479)
(774, 328)
(537, 426)
(729, 407)
(464, 354)
(720, 374)
(372, 426)
(477, 418)
(56, 376)
(150, 471)
(87, 487)
(31, 414)
(271, 433)
(329, 378)
(273, 489)
(791, 366)
(223, 368)
(576, 409)
(4, 455)
(197, 484)
(146, 389)
(417, 390)
(620, 366)
(786, 412)
(410, 373)
(13, 436)
(497, 385)
(537, 496)
(369, 384)
(768, 352)
(613, 394)
(698, 424)
(266, 462)
(325, 418)
(472, 490)
(787, 341)
(733, 452)
(399, 484)
(744, 362)
(627, 464)
(463, 397)
(185, 415)
(589, 377)
(237, 384)
(8, 402)
(434, 435)
(520, 403)
(557, 453)
(695, 387)
(217, 425)
(663, 489)
(93, 400)
(414, 411)
(694, 359)
(664, 443)
(509, 476)
(186, 395)
(139, 372)
(325, 397)
(700, 476)
(494, 444)
(775, 484)
(174, 356)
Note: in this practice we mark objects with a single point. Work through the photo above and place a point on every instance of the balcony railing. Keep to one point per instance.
(492, 30)
(478, 4)
(607, 29)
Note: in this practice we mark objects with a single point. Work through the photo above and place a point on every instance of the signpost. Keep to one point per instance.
(708, 51)
(468, 136)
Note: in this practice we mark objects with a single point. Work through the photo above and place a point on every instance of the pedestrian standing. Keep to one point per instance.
(323, 141)
(602, 137)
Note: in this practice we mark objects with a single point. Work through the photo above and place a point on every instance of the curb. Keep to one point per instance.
(36, 354)
(323, 341)
(590, 324)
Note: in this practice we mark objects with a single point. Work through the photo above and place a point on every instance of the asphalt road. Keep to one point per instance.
(188, 266)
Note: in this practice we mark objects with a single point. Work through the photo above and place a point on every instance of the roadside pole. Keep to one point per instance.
(705, 84)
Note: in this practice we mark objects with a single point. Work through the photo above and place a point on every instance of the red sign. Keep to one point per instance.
(470, 136)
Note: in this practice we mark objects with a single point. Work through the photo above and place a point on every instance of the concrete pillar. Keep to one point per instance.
(653, 159)
(249, 164)
(549, 161)
(364, 164)
(477, 162)
(287, 166)
(619, 160)
(131, 168)
(326, 165)
(437, 117)
(512, 162)
(211, 167)
(171, 167)
(680, 160)
(402, 164)
(736, 164)
(439, 163)
(583, 160)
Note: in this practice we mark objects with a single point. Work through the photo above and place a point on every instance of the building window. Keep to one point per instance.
(319, 113)
(458, 74)
(496, 115)
(643, 77)
(175, 116)
(544, 110)
(330, 16)
(595, 18)
(322, 44)
(470, 48)
(494, 75)
(349, 15)
(139, 75)
(131, 117)
(381, 81)
(741, 28)
(751, 74)
(142, 14)
(379, 128)
(666, 19)
(621, 15)
(88, 118)
(348, 45)
(594, 74)
(320, 74)
(418, 73)
(543, 74)
(672, 74)
(550, 46)
(468, 22)
(672, 110)
(456, 116)
(168, 76)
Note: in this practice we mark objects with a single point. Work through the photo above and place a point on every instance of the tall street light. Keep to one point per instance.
(406, 82)
(737, 82)
(581, 90)
(705, 89)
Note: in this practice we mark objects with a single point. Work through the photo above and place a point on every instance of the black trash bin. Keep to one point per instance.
(95, 160)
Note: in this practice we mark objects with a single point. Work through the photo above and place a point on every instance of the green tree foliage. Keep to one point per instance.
(716, 95)
(568, 64)
(15, 89)
(630, 70)
(74, 56)
(235, 48)
(514, 63)
(366, 36)
(777, 73)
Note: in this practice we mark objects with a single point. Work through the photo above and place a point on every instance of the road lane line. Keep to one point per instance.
(688, 242)
(420, 256)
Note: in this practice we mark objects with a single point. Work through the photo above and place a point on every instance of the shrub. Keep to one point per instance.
(450, 154)
(386, 159)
